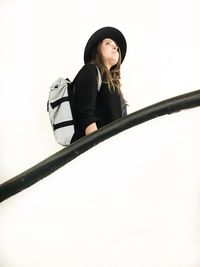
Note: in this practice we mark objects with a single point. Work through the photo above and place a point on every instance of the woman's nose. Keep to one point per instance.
(114, 47)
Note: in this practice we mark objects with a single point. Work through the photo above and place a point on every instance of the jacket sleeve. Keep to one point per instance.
(86, 94)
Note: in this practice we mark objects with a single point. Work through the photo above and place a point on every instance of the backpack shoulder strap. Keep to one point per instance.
(99, 79)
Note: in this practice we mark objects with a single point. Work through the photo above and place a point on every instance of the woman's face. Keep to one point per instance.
(109, 51)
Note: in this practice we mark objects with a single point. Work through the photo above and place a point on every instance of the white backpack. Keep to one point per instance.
(60, 108)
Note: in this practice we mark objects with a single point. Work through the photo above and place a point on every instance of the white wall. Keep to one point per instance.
(42, 40)
(130, 201)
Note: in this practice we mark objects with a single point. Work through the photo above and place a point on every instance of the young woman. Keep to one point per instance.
(95, 108)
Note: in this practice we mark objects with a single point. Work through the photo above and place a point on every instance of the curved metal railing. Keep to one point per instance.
(59, 159)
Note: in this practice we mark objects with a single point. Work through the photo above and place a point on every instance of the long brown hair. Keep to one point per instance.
(112, 76)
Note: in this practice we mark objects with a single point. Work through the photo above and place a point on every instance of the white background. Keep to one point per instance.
(43, 40)
(141, 206)
(130, 201)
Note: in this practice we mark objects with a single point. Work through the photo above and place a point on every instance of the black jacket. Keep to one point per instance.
(91, 105)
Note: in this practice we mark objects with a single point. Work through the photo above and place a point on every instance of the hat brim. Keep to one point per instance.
(100, 35)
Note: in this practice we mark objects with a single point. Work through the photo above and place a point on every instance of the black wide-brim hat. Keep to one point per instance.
(100, 35)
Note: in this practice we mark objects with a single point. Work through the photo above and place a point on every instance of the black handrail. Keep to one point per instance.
(57, 160)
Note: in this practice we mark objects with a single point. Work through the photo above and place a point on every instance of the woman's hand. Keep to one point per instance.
(91, 128)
